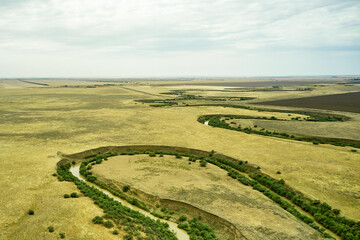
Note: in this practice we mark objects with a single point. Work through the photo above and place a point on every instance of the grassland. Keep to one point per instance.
(38, 123)
(214, 192)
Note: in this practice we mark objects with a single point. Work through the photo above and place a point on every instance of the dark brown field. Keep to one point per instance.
(347, 102)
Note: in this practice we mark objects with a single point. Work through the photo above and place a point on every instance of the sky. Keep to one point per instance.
(179, 38)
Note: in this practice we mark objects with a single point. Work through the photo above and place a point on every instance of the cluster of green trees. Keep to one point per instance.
(84, 171)
(117, 213)
(198, 230)
(133, 226)
(215, 121)
(322, 212)
(324, 118)
(274, 189)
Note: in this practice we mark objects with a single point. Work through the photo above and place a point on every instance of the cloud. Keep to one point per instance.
(158, 27)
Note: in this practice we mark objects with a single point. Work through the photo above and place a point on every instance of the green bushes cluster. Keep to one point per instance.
(118, 213)
(215, 121)
(130, 228)
(276, 190)
(98, 220)
(198, 230)
(322, 212)
(273, 189)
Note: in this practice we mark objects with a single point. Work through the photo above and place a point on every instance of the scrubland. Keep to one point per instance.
(40, 123)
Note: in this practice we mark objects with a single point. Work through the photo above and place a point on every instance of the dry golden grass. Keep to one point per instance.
(208, 188)
(37, 122)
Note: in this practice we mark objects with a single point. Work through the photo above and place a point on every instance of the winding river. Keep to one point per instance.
(180, 234)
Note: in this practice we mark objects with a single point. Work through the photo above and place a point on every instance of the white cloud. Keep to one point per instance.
(231, 30)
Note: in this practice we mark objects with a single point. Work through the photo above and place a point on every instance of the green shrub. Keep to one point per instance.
(108, 224)
(98, 220)
(66, 195)
(31, 212)
(128, 236)
(211, 153)
(115, 232)
(51, 229)
(184, 226)
(73, 162)
(278, 172)
(62, 235)
(202, 163)
(182, 218)
(126, 188)
(74, 195)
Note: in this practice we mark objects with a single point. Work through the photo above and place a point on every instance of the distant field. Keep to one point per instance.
(347, 102)
(261, 83)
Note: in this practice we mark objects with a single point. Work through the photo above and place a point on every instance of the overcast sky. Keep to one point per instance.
(136, 38)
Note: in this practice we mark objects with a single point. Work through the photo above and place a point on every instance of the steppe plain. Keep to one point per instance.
(40, 123)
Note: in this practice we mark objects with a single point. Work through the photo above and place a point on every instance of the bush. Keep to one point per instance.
(98, 220)
(51, 229)
(108, 224)
(126, 188)
(31, 212)
(74, 195)
(62, 235)
(115, 232)
(211, 153)
(202, 163)
(182, 218)
(66, 195)
(73, 162)
(128, 237)
(278, 172)
(184, 226)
